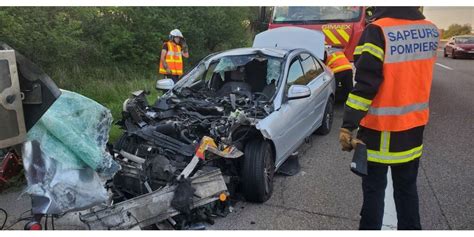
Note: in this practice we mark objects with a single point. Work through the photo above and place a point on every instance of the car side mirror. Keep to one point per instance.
(298, 92)
(165, 84)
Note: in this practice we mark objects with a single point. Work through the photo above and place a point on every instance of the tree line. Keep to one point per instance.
(456, 29)
(92, 36)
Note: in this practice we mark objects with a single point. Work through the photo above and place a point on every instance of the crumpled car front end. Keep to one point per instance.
(221, 101)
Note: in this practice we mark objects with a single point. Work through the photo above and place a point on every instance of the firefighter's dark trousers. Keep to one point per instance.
(404, 192)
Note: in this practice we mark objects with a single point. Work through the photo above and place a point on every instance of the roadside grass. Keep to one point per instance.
(109, 86)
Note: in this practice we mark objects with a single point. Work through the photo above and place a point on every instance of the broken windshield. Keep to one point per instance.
(259, 71)
(296, 14)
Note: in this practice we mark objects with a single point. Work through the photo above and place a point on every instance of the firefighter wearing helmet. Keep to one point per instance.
(172, 53)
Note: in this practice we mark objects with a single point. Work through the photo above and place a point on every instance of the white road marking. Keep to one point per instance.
(390, 213)
(444, 66)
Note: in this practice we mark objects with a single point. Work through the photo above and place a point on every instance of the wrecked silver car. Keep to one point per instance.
(253, 106)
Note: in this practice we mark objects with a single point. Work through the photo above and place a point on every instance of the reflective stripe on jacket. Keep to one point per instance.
(174, 59)
(401, 102)
(386, 155)
(338, 62)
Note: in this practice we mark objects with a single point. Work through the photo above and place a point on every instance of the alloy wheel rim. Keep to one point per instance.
(268, 175)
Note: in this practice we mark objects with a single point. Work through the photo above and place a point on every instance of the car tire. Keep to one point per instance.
(445, 54)
(453, 54)
(258, 171)
(328, 118)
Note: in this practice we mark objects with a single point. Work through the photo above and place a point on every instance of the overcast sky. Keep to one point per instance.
(445, 16)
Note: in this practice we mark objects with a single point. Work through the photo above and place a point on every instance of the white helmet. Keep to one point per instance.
(176, 33)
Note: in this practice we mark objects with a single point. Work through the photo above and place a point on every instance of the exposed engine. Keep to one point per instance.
(161, 139)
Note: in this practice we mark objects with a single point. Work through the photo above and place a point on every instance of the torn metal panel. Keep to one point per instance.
(55, 190)
(155, 207)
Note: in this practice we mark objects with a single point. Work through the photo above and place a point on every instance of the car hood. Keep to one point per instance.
(292, 38)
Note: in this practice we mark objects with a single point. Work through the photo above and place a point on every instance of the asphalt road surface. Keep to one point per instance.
(326, 195)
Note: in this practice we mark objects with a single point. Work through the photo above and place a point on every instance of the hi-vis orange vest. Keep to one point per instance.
(174, 59)
(410, 53)
(338, 62)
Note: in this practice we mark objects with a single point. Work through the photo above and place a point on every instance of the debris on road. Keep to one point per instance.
(10, 167)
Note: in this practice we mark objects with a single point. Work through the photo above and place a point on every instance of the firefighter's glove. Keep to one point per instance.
(345, 137)
(347, 141)
(184, 45)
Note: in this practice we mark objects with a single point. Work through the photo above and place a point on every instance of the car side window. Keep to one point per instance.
(319, 67)
(309, 68)
(295, 73)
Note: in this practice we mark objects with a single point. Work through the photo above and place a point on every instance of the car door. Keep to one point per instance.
(293, 115)
(317, 83)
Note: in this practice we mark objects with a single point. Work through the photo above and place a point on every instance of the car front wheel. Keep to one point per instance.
(258, 171)
(445, 54)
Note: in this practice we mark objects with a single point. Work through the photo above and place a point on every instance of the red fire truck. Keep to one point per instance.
(342, 25)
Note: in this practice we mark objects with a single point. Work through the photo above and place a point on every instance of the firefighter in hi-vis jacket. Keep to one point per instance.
(389, 106)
